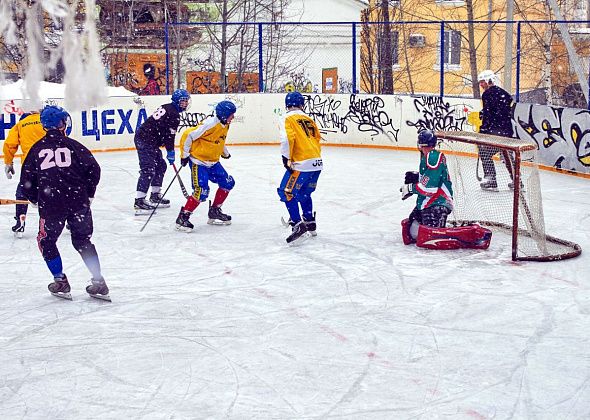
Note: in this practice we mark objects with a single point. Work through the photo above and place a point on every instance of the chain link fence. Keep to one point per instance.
(441, 58)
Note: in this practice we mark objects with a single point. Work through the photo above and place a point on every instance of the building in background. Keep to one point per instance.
(328, 49)
(134, 38)
(413, 58)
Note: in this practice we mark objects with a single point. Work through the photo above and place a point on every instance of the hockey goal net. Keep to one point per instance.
(515, 205)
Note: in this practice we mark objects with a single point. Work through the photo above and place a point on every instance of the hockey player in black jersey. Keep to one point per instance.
(496, 119)
(60, 176)
(158, 130)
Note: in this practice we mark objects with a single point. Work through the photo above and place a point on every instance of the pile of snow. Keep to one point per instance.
(47, 90)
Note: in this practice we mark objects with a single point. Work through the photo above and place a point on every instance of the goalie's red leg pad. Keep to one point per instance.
(472, 236)
(408, 240)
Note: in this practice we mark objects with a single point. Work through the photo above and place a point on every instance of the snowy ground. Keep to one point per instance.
(229, 322)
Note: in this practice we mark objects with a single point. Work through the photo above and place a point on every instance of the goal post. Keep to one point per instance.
(515, 207)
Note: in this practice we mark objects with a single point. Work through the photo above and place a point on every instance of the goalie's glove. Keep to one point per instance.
(9, 170)
(411, 177)
(407, 190)
(287, 164)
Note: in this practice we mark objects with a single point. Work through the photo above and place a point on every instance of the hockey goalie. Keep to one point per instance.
(427, 224)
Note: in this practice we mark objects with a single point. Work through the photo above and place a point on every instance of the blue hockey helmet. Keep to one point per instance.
(295, 99)
(426, 138)
(224, 109)
(178, 96)
(55, 117)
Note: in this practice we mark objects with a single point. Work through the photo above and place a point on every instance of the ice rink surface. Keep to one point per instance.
(230, 322)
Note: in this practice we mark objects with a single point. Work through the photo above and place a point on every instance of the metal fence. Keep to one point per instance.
(410, 57)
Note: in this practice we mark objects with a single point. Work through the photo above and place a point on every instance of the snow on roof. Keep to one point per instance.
(49, 90)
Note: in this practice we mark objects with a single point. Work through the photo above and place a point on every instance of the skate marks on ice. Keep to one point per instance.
(231, 322)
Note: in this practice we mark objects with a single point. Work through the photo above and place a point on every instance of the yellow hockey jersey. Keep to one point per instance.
(205, 143)
(25, 134)
(300, 142)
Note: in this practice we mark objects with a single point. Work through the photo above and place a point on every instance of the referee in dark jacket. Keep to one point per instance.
(496, 119)
(60, 176)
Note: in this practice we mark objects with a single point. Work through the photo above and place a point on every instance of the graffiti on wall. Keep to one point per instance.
(562, 134)
(208, 82)
(437, 115)
(369, 115)
(190, 119)
(366, 114)
(136, 71)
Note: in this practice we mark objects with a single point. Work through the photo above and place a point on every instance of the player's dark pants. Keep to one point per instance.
(81, 228)
(152, 166)
(433, 216)
(20, 208)
(486, 153)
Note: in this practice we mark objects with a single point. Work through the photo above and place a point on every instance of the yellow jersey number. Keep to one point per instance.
(307, 126)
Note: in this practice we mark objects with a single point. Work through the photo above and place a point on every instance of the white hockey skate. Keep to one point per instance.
(19, 227)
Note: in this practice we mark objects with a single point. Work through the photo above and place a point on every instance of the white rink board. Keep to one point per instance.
(376, 120)
(369, 120)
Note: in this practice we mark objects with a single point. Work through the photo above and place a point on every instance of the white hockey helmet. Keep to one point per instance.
(487, 76)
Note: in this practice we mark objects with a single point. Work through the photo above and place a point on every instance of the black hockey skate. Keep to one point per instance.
(156, 198)
(310, 225)
(183, 223)
(489, 185)
(60, 288)
(298, 234)
(19, 227)
(98, 290)
(217, 217)
(142, 207)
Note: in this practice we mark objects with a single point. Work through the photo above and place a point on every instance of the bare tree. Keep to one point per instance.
(385, 57)
(235, 45)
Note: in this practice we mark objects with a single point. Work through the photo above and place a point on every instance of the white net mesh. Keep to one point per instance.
(505, 208)
(56, 31)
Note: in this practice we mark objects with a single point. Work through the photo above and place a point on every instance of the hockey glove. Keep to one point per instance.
(407, 190)
(226, 156)
(411, 177)
(287, 164)
(9, 170)
(170, 155)
(184, 161)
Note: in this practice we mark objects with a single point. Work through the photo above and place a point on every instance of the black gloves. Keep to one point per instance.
(184, 161)
(286, 164)
(411, 177)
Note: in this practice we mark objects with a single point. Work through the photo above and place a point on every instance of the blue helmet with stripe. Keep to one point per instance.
(178, 96)
(295, 99)
(224, 109)
(54, 117)
(426, 138)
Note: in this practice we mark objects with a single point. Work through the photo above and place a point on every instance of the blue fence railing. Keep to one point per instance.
(355, 50)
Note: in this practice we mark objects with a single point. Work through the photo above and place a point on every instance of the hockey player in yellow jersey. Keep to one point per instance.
(201, 148)
(25, 134)
(301, 153)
